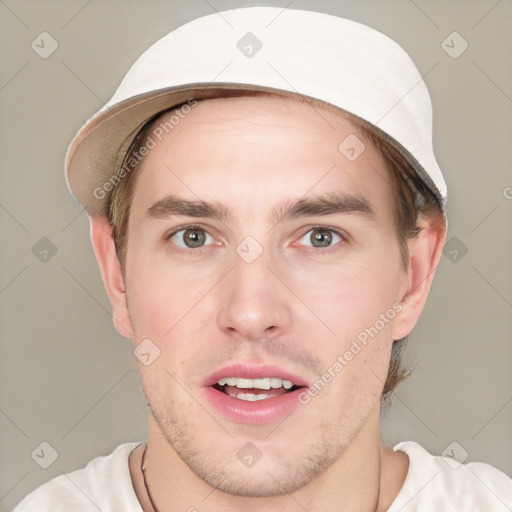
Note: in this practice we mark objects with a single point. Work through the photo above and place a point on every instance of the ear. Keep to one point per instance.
(425, 250)
(104, 249)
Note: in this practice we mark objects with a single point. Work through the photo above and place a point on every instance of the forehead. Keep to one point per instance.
(254, 151)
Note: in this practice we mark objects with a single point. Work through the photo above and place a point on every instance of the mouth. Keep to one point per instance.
(255, 395)
(252, 390)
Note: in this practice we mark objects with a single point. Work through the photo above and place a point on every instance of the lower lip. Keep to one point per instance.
(255, 413)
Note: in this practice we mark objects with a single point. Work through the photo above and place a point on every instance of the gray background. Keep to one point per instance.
(67, 377)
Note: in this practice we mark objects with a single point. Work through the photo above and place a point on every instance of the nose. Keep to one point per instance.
(254, 302)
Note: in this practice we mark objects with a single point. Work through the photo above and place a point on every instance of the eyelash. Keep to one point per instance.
(200, 250)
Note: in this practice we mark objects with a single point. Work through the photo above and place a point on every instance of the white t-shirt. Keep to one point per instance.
(436, 484)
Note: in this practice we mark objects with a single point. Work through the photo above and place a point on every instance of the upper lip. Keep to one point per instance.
(253, 371)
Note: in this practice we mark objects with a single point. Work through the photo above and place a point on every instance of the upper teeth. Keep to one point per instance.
(265, 383)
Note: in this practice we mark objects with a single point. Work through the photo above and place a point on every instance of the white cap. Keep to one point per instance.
(284, 51)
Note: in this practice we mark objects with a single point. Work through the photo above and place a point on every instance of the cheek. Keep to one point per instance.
(155, 300)
(173, 308)
(356, 304)
(350, 298)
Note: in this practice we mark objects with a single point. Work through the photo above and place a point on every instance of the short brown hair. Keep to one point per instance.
(411, 197)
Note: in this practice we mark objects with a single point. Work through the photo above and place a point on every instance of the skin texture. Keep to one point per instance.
(296, 306)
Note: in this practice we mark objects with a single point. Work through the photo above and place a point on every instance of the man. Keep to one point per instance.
(267, 215)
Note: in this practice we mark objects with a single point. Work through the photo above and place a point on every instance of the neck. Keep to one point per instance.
(366, 477)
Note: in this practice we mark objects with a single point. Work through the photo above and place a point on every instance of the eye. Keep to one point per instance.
(191, 238)
(321, 237)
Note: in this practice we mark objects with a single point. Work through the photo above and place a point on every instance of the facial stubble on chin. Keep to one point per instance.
(227, 474)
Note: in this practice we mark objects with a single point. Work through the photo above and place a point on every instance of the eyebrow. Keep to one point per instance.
(325, 204)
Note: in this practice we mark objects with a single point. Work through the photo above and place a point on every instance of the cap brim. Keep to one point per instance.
(96, 153)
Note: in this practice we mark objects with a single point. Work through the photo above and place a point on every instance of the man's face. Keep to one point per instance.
(199, 289)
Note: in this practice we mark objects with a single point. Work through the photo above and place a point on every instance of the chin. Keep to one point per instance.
(258, 482)
(276, 473)
(286, 463)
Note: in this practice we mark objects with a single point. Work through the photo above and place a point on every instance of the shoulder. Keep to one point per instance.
(442, 484)
(104, 484)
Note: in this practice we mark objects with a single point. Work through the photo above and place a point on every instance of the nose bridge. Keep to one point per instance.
(253, 302)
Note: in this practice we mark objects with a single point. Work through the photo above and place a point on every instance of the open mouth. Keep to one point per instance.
(252, 390)
(253, 394)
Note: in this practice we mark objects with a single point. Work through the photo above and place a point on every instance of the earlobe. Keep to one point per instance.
(425, 250)
(104, 249)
